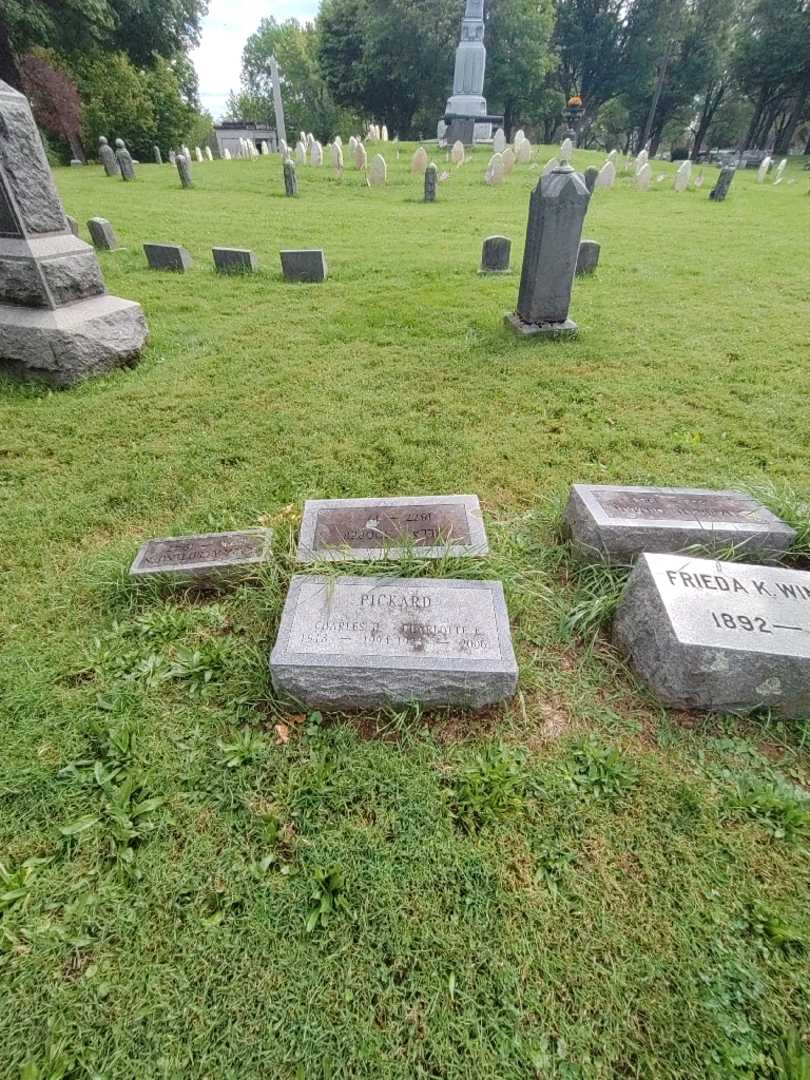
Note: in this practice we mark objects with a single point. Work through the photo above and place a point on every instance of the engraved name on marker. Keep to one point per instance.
(209, 554)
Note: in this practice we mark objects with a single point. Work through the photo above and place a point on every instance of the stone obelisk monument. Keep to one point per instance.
(466, 112)
(58, 324)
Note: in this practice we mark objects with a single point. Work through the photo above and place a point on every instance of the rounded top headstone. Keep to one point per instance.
(102, 141)
(120, 144)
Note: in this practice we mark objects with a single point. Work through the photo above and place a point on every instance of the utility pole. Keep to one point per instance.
(659, 89)
(278, 105)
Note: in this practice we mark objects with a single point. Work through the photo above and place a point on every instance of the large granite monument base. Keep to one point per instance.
(57, 322)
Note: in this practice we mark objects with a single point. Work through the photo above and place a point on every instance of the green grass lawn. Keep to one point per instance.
(578, 885)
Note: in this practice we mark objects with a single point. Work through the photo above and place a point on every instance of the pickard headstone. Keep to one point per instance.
(57, 322)
(234, 260)
(364, 643)
(167, 257)
(205, 557)
(496, 254)
(724, 182)
(556, 213)
(616, 524)
(728, 637)
(427, 527)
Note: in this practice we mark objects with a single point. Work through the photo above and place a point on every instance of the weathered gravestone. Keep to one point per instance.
(102, 234)
(728, 637)
(76, 163)
(210, 557)
(496, 254)
(290, 178)
(378, 173)
(208, 155)
(499, 142)
(591, 176)
(683, 176)
(124, 159)
(73, 224)
(588, 257)
(644, 177)
(615, 524)
(234, 260)
(57, 322)
(158, 155)
(428, 527)
(419, 161)
(364, 643)
(607, 176)
(523, 152)
(305, 264)
(556, 212)
(167, 257)
(184, 170)
(724, 182)
(495, 170)
(431, 182)
(107, 157)
(509, 159)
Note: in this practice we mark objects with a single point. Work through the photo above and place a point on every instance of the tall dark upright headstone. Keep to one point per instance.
(57, 322)
(556, 214)
(290, 178)
(184, 170)
(591, 176)
(124, 159)
(431, 182)
(106, 156)
(724, 181)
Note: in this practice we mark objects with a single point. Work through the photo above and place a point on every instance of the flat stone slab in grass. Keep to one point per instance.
(167, 257)
(308, 264)
(208, 556)
(351, 643)
(727, 637)
(234, 261)
(428, 527)
(615, 524)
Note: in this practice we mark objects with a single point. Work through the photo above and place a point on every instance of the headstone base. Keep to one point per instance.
(60, 347)
(548, 330)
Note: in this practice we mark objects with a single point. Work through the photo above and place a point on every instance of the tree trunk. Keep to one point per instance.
(76, 147)
(710, 106)
(9, 70)
(785, 140)
(755, 119)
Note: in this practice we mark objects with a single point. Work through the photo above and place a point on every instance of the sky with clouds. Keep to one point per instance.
(226, 28)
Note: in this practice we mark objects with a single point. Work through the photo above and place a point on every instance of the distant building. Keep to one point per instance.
(229, 132)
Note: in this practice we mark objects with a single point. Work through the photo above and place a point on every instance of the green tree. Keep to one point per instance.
(118, 104)
(173, 118)
(518, 35)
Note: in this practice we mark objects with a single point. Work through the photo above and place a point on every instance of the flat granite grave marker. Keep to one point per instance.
(205, 557)
(364, 643)
(616, 524)
(234, 260)
(167, 257)
(427, 527)
(306, 264)
(727, 637)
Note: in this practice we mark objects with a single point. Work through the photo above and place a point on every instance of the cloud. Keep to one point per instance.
(226, 28)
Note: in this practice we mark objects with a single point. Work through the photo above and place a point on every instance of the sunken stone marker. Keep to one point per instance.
(727, 637)
(496, 254)
(102, 234)
(616, 524)
(234, 260)
(556, 213)
(206, 557)
(307, 264)
(427, 527)
(167, 257)
(588, 257)
(364, 643)
(724, 181)
(57, 322)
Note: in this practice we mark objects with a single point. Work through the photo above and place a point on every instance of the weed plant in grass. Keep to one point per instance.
(577, 885)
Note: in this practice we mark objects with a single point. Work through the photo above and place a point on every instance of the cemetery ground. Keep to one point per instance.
(577, 885)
